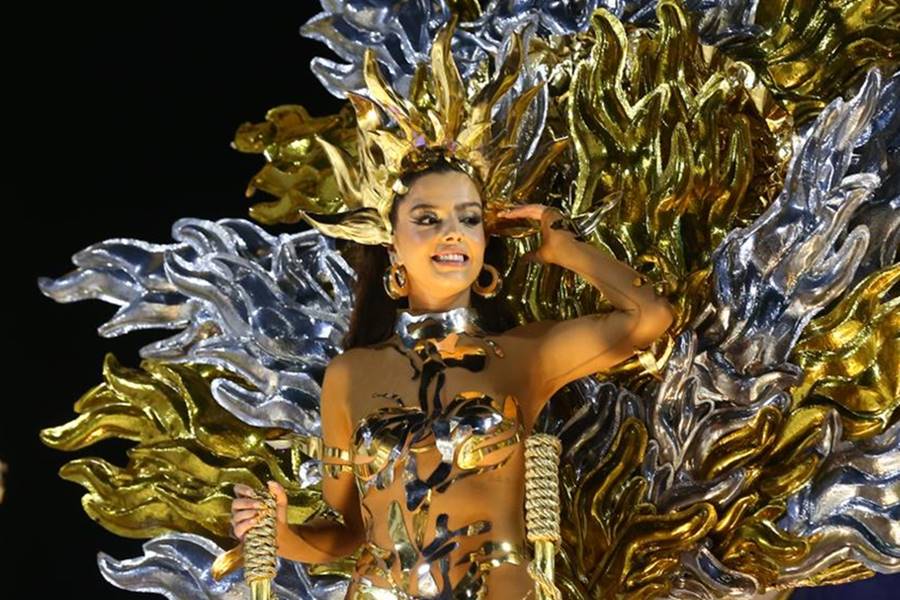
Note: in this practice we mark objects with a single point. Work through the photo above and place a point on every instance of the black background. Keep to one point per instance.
(123, 120)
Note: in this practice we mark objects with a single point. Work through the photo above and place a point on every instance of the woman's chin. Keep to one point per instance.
(451, 267)
(451, 273)
(448, 285)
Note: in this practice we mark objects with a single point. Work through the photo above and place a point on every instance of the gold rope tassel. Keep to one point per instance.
(260, 552)
(542, 510)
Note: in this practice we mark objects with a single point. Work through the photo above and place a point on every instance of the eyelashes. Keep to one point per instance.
(430, 220)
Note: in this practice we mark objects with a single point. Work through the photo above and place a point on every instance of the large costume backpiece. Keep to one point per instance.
(743, 155)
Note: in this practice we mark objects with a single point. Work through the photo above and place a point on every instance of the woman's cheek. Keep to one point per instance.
(410, 237)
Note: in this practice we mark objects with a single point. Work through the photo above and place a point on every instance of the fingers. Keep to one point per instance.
(247, 504)
(240, 529)
(243, 519)
(243, 515)
(275, 488)
(526, 211)
(278, 491)
(244, 490)
(239, 503)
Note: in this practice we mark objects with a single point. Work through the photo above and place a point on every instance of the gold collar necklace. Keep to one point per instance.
(411, 326)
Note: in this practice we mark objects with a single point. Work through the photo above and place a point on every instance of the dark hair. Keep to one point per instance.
(372, 319)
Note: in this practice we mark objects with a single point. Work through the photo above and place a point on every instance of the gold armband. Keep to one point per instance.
(335, 461)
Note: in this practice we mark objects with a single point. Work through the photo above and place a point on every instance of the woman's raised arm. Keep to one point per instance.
(568, 350)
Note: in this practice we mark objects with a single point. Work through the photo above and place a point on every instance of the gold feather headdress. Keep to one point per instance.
(444, 123)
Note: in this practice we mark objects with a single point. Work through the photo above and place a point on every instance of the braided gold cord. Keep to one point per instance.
(260, 552)
(542, 510)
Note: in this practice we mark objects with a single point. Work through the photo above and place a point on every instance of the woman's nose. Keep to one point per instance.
(452, 230)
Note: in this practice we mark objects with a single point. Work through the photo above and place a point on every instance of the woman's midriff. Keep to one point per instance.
(496, 496)
(506, 582)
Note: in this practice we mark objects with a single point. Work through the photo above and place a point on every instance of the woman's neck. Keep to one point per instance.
(421, 303)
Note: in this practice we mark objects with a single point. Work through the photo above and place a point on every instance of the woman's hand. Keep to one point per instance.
(246, 505)
(551, 241)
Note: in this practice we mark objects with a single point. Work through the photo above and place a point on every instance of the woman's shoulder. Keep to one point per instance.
(527, 332)
(359, 355)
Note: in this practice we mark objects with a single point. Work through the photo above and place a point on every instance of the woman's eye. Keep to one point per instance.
(431, 220)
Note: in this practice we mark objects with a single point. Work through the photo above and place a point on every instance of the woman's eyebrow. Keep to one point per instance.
(458, 206)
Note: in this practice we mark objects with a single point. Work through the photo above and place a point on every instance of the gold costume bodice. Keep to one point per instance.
(472, 432)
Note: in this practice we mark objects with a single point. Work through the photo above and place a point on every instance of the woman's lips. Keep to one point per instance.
(453, 262)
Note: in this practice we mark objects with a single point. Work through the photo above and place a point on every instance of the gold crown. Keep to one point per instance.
(439, 121)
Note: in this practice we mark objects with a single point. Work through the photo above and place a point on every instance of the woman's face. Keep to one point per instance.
(436, 221)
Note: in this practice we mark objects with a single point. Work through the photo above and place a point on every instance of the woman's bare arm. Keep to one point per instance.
(571, 349)
(320, 540)
(325, 540)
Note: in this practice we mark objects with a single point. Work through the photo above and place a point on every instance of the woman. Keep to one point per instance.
(427, 426)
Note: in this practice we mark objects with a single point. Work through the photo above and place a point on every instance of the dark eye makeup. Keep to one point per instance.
(431, 220)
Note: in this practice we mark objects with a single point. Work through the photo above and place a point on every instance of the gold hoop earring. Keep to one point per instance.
(493, 288)
(396, 284)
